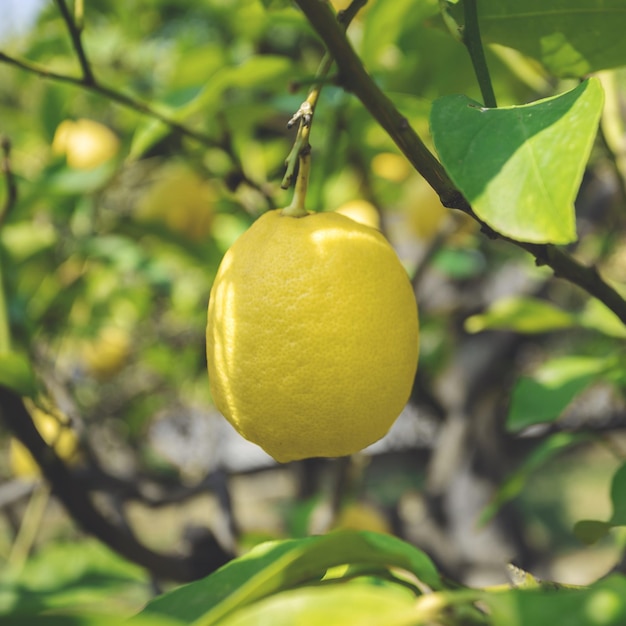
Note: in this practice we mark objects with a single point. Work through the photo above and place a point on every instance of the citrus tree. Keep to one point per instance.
(316, 172)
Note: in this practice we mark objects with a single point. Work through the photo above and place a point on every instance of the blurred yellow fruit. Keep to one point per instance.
(361, 211)
(312, 335)
(363, 516)
(85, 143)
(180, 199)
(391, 167)
(426, 214)
(56, 433)
(107, 354)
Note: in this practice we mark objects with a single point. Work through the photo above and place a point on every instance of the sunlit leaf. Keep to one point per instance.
(570, 37)
(520, 167)
(520, 314)
(17, 374)
(545, 395)
(276, 566)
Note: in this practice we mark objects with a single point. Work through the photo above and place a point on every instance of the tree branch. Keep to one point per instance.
(77, 502)
(355, 78)
(85, 66)
(474, 45)
(115, 96)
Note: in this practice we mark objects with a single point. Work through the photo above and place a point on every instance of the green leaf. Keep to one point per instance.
(602, 604)
(17, 374)
(590, 531)
(523, 315)
(275, 566)
(598, 317)
(545, 395)
(570, 37)
(333, 605)
(618, 497)
(520, 167)
(514, 484)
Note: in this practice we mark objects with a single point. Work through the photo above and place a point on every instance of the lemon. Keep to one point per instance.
(361, 211)
(55, 433)
(85, 143)
(182, 200)
(312, 335)
(107, 353)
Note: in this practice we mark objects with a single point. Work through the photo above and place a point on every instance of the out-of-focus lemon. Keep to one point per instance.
(85, 143)
(180, 199)
(426, 214)
(391, 167)
(55, 431)
(361, 211)
(362, 516)
(107, 354)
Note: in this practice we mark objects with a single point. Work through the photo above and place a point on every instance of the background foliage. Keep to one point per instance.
(511, 449)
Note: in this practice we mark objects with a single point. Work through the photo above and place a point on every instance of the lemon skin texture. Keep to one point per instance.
(312, 336)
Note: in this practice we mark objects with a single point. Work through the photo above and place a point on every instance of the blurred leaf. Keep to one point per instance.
(597, 316)
(521, 314)
(17, 374)
(602, 604)
(148, 134)
(520, 167)
(458, 263)
(570, 37)
(515, 483)
(332, 605)
(618, 497)
(590, 531)
(72, 576)
(275, 566)
(90, 619)
(75, 181)
(25, 239)
(545, 395)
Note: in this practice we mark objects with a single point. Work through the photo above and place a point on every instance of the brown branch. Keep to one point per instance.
(79, 505)
(111, 94)
(354, 78)
(85, 66)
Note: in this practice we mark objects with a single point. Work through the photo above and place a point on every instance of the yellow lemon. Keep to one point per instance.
(363, 516)
(55, 432)
(312, 335)
(391, 167)
(85, 143)
(182, 200)
(361, 211)
(108, 352)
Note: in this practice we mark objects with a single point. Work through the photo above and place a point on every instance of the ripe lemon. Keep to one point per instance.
(182, 200)
(361, 211)
(85, 143)
(55, 432)
(312, 335)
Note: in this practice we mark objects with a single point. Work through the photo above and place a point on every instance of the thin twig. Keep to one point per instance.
(474, 45)
(305, 113)
(116, 96)
(9, 179)
(355, 78)
(85, 66)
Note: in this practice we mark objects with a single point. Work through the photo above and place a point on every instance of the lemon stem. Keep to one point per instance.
(297, 208)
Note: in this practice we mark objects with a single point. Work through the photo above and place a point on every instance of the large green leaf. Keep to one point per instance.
(521, 314)
(280, 565)
(357, 604)
(520, 167)
(570, 37)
